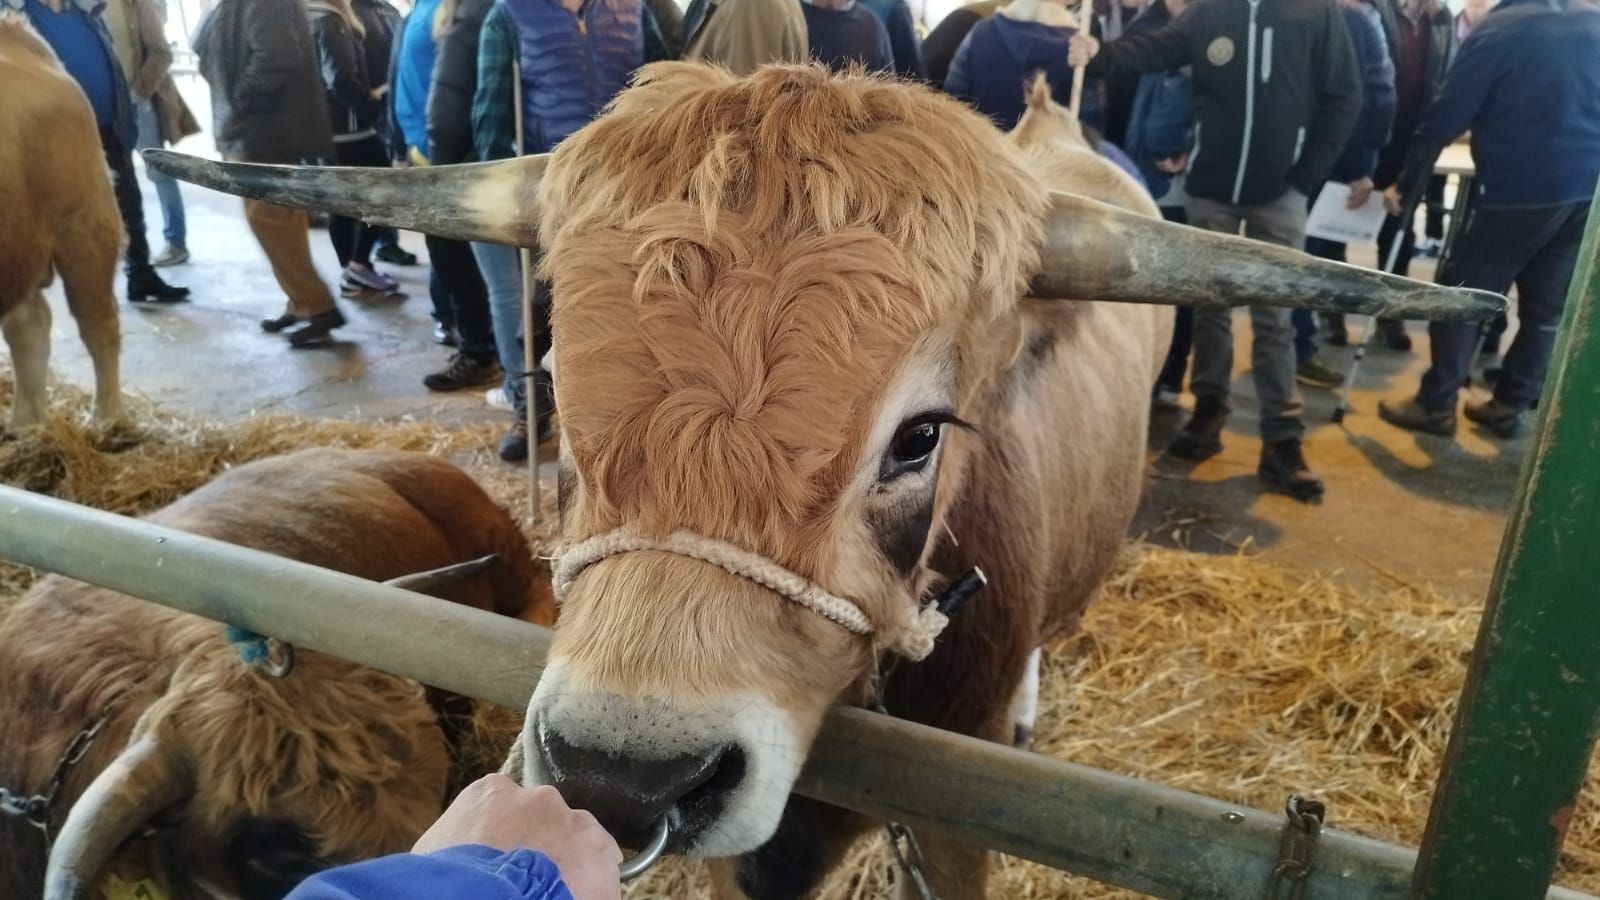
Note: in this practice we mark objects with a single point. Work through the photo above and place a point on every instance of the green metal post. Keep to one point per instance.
(1526, 727)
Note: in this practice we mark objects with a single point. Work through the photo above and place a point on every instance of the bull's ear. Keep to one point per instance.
(496, 202)
(1093, 251)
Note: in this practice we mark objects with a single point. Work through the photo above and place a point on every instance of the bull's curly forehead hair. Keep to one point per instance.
(738, 265)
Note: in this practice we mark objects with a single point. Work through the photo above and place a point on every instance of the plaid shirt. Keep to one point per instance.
(494, 113)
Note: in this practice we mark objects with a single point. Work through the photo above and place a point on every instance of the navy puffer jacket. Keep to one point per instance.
(572, 69)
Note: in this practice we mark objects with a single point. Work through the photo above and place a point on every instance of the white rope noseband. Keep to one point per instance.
(914, 642)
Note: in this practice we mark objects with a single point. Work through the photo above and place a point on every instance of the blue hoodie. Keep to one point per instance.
(1378, 96)
(1001, 53)
(469, 872)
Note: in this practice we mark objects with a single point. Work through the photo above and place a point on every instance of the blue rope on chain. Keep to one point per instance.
(252, 647)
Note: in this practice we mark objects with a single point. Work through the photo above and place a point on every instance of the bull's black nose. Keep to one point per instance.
(626, 794)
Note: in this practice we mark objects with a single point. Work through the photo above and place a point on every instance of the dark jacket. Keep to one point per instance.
(455, 77)
(572, 67)
(1161, 126)
(381, 22)
(896, 18)
(844, 37)
(939, 47)
(267, 103)
(352, 110)
(1122, 85)
(1360, 156)
(1001, 53)
(1527, 85)
(1276, 88)
(1441, 43)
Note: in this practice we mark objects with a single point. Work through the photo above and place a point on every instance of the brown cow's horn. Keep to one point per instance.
(1093, 251)
(495, 202)
(436, 581)
(143, 780)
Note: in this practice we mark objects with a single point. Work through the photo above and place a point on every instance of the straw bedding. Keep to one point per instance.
(1227, 676)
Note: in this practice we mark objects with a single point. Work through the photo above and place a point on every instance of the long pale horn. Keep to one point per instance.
(1093, 251)
(496, 202)
(436, 581)
(143, 780)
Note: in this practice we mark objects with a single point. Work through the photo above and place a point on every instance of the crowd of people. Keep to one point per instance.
(1233, 113)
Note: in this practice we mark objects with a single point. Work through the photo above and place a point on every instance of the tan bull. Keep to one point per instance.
(820, 346)
(247, 782)
(57, 215)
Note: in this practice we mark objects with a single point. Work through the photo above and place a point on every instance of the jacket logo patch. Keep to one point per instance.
(1220, 51)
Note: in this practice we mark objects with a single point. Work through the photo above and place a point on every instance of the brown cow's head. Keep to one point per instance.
(779, 300)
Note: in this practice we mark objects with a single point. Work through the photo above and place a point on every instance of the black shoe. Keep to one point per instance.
(514, 446)
(544, 403)
(1283, 467)
(318, 328)
(147, 287)
(1413, 416)
(1392, 332)
(1338, 334)
(1502, 420)
(463, 372)
(273, 326)
(1201, 436)
(1315, 373)
(444, 336)
(396, 254)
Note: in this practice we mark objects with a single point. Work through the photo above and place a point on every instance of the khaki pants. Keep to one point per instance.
(285, 235)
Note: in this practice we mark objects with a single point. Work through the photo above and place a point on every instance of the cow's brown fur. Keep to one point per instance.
(354, 758)
(57, 214)
(743, 271)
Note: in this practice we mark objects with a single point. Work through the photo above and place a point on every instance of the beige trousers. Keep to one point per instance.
(285, 235)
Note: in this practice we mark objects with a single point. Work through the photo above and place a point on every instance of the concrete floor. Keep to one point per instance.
(1398, 507)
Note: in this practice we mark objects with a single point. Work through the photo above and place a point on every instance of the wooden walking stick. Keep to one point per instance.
(1086, 28)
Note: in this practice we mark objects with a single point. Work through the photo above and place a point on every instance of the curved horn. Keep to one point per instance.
(1093, 251)
(143, 780)
(493, 201)
(436, 581)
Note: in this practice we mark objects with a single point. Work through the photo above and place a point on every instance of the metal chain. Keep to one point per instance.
(35, 809)
(1297, 848)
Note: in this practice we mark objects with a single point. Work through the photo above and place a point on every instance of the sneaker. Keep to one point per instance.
(1392, 333)
(496, 398)
(1337, 334)
(1428, 248)
(358, 275)
(462, 372)
(1313, 373)
(147, 287)
(443, 336)
(1413, 416)
(1500, 419)
(514, 446)
(171, 255)
(318, 329)
(1283, 467)
(1166, 397)
(395, 254)
(1201, 436)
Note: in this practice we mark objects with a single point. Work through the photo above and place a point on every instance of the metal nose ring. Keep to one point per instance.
(641, 862)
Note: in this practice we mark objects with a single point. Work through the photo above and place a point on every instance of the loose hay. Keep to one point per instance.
(1226, 676)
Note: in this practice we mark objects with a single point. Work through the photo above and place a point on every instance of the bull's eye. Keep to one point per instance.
(914, 444)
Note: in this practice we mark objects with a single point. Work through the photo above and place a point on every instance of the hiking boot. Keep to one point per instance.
(1201, 436)
(1338, 334)
(1283, 467)
(363, 278)
(171, 255)
(1500, 419)
(544, 398)
(1392, 334)
(462, 372)
(318, 329)
(147, 287)
(1413, 416)
(395, 254)
(1313, 373)
(514, 446)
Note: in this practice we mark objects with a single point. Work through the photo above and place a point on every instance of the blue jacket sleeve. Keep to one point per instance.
(458, 873)
(1481, 62)
(907, 47)
(1360, 156)
(958, 82)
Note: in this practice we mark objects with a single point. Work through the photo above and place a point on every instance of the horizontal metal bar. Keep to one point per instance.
(1125, 832)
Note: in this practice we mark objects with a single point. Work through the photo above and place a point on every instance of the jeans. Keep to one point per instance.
(1537, 250)
(354, 239)
(1177, 363)
(173, 225)
(1305, 324)
(1272, 365)
(502, 277)
(464, 292)
(130, 203)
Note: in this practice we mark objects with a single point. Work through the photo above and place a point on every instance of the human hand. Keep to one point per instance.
(1082, 49)
(1360, 191)
(497, 812)
(1391, 200)
(1174, 165)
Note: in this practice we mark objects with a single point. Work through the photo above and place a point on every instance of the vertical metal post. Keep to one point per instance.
(1526, 727)
(530, 324)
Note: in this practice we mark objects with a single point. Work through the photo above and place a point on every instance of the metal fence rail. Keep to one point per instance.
(1118, 830)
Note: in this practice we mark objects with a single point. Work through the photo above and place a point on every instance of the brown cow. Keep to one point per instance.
(250, 782)
(57, 214)
(813, 359)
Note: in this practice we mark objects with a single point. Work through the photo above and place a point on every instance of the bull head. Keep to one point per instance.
(788, 309)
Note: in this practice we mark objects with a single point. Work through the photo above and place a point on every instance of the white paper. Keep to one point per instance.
(1330, 220)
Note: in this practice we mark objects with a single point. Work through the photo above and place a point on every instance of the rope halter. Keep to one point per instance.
(914, 640)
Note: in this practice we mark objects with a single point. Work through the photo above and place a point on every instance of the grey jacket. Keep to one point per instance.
(267, 100)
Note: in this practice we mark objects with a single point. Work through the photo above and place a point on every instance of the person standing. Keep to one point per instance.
(1278, 94)
(940, 46)
(162, 118)
(1527, 85)
(842, 34)
(1000, 53)
(267, 107)
(743, 35)
(897, 20)
(76, 31)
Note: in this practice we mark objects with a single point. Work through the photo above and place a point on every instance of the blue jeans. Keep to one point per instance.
(502, 275)
(173, 226)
